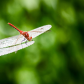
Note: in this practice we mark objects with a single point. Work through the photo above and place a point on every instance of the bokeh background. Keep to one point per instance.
(56, 57)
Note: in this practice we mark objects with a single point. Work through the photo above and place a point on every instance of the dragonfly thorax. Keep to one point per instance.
(25, 34)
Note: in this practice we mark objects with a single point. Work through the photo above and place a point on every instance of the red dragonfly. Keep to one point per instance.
(9, 45)
(25, 34)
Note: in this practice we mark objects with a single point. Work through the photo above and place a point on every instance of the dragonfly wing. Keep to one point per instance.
(8, 50)
(36, 32)
(10, 41)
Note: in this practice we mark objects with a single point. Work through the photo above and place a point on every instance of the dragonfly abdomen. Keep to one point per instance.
(14, 27)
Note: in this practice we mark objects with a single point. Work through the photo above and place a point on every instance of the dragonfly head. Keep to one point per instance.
(30, 38)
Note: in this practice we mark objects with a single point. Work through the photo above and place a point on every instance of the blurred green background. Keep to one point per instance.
(56, 57)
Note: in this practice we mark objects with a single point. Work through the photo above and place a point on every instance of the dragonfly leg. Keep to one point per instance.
(18, 38)
(26, 42)
(22, 41)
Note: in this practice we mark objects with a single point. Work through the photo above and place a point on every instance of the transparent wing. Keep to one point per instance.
(36, 32)
(10, 41)
(8, 50)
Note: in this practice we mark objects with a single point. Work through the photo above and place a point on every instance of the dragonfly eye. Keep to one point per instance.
(29, 38)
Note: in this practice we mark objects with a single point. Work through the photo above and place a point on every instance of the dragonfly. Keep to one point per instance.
(25, 39)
